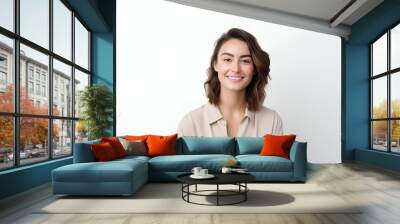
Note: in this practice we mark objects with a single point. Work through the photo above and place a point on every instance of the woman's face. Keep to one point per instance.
(234, 65)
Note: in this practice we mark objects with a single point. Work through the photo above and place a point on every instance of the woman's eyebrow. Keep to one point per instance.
(241, 56)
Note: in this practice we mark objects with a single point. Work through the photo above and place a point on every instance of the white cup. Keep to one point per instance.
(196, 170)
(203, 172)
(226, 170)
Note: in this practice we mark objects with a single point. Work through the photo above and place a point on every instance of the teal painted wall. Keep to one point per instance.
(103, 63)
(99, 15)
(24, 178)
(356, 85)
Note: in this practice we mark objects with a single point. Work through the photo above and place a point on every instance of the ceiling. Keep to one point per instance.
(326, 16)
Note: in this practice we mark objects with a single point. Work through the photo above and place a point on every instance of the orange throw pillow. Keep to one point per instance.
(116, 145)
(135, 138)
(277, 145)
(161, 145)
(103, 151)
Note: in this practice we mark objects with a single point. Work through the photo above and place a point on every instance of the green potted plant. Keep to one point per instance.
(96, 102)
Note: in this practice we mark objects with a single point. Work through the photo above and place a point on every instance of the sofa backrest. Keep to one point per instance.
(205, 145)
(249, 145)
(83, 152)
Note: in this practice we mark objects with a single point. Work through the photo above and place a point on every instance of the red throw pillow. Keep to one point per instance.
(116, 145)
(161, 145)
(277, 145)
(103, 152)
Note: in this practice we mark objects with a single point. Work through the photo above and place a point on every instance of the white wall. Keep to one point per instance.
(163, 51)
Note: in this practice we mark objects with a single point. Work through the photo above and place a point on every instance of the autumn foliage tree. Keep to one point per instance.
(33, 131)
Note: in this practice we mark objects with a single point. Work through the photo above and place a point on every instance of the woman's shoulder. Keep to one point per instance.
(265, 112)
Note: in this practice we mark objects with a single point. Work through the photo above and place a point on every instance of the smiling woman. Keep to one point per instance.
(235, 87)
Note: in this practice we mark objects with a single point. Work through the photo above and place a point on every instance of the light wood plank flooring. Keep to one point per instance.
(378, 188)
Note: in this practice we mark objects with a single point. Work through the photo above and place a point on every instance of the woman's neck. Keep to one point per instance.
(232, 101)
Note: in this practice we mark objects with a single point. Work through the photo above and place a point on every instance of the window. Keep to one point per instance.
(30, 87)
(7, 14)
(81, 45)
(34, 21)
(30, 72)
(43, 90)
(385, 91)
(38, 89)
(54, 126)
(3, 61)
(3, 78)
(37, 75)
(3, 72)
(43, 77)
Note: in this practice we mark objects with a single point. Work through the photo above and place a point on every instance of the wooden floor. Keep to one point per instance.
(377, 188)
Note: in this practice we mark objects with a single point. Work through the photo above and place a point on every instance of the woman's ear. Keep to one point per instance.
(215, 66)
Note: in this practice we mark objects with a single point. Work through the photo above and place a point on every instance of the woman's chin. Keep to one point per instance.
(234, 87)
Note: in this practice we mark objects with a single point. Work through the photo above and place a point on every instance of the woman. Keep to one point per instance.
(235, 87)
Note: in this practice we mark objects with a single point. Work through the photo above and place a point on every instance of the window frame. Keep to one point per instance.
(15, 72)
(388, 74)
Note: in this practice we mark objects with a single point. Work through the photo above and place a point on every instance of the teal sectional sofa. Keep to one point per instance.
(125, 176)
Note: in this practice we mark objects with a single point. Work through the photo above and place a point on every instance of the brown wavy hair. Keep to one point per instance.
(255, 91)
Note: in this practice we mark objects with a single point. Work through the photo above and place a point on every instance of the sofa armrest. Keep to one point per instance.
(298, 155)
(83, 152)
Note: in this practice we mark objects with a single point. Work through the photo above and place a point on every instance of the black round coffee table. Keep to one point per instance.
(238, 179)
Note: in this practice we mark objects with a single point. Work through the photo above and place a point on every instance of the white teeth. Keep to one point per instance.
(235, 77)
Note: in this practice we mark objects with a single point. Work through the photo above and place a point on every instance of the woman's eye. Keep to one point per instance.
(247, 61)
(227, 59)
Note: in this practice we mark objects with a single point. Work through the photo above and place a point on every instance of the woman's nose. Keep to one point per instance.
(235, 66)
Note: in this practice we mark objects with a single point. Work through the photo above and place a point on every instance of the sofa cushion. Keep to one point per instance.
(206, 145)
(257, 163)
(111, 171)
(185, 163)
(249, 145)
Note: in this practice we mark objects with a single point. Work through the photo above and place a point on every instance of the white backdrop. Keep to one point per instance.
(163, 50)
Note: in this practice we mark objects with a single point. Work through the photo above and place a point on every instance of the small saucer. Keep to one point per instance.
(208, 176)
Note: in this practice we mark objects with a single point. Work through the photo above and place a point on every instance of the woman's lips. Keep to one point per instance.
(235, 78)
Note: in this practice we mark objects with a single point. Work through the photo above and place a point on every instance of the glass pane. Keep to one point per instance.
(81, 131)
(6, 74)
(379, 135)
(7, 14)
(395, 94)
(81, 81)
(395, 47)
(62, 137)
(81, 45)
(6, 142)
(62, 29)
(379, 55)
(395, 136)
(379, 98)
(33, 139)
(34, 94)
(62, 89)
(35, 21)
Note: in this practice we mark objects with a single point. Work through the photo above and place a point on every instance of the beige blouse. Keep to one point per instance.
(208, 121)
